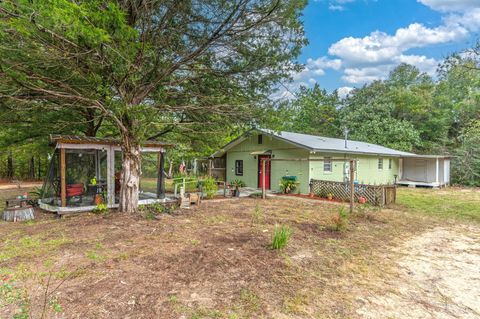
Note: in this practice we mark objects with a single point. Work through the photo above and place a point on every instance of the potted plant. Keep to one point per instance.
(288, 184)
(237, 183)
(330, 196)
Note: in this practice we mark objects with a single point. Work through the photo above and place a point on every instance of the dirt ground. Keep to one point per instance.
(438, 277)
(214, 261)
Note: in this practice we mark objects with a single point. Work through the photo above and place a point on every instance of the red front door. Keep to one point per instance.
(267, 171)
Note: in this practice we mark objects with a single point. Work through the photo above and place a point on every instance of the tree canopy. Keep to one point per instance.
(146, 67)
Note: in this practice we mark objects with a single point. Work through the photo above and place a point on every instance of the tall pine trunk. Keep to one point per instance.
(130, 185)
(31, 171)
(10, 166)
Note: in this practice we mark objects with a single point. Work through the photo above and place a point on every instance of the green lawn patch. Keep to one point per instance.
(461, 204)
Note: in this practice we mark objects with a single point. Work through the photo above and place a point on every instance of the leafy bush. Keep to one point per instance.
(340, 221)
(238, 183)
(101, 209)
(209, 186)
(288, 185)
(37, 192)
(281, 236)
(152, 210)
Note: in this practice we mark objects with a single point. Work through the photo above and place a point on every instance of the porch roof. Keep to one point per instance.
(74, 139)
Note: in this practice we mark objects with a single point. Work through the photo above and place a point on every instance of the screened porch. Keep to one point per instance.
(85, 172)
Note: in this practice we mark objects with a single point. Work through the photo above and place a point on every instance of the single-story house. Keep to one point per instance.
(315, 157)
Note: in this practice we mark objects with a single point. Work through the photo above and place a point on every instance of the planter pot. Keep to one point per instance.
(310, 195)
(236, 193)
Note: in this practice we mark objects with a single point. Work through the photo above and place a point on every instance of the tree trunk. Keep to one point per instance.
(31, 173)
(10, 166)
(39, 165)
(130, 185)
(170, 169)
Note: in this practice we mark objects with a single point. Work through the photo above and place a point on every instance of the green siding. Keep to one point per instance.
(280, 149)
(367, 169)
(367, 172)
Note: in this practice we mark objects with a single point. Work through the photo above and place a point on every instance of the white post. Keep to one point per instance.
(110, 176)
(400, 168)
(436, 171)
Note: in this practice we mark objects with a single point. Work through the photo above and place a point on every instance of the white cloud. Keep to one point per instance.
(344, 91)
(373, 56)
(336, 7)
(366, 74)
(469, 20)
(424, 64)
(450, 5)
(379, 47)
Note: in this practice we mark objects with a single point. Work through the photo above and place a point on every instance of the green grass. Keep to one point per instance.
(280, 238)
(30, 246)
(150, 185)
(461, 204)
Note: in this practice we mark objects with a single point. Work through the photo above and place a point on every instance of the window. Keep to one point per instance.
(327, 164)
(260, 139)
(390, 164)
(239, 167)
(380, 163)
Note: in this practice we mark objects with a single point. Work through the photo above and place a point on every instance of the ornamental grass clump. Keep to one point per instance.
(281, 236)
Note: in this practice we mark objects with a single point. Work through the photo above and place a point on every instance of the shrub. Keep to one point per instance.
(281, 235)
(288, 184)
(152, 210)
(210, 187)
(340, 221)
(238, 183)
(101, 209)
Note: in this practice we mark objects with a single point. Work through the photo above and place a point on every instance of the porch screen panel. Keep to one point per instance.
(149, 175)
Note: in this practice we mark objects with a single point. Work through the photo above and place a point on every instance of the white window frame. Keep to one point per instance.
(327, 164)
(380, 164)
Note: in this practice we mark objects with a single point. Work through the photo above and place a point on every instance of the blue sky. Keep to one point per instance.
(353, 42)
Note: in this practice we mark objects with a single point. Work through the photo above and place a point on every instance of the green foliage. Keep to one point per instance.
(340, 221)
(466, 164)
(101, 209)
(288, 185)
(102, 68)
(313, 111)
(238, 183)
(10, 294)
(281, 236)
(150, 211)
(209, 186)
(450, 203)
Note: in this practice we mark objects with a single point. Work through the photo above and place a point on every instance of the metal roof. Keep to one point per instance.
(326, 144)
(73, 139)
(320, 143)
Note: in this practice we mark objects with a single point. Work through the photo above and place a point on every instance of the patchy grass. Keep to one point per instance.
(29, 247)
(209, 262)
(456, 203)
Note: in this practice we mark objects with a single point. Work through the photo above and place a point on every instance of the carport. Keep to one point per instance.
(424, 170)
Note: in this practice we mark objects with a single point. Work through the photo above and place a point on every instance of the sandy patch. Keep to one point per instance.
(439, 277)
